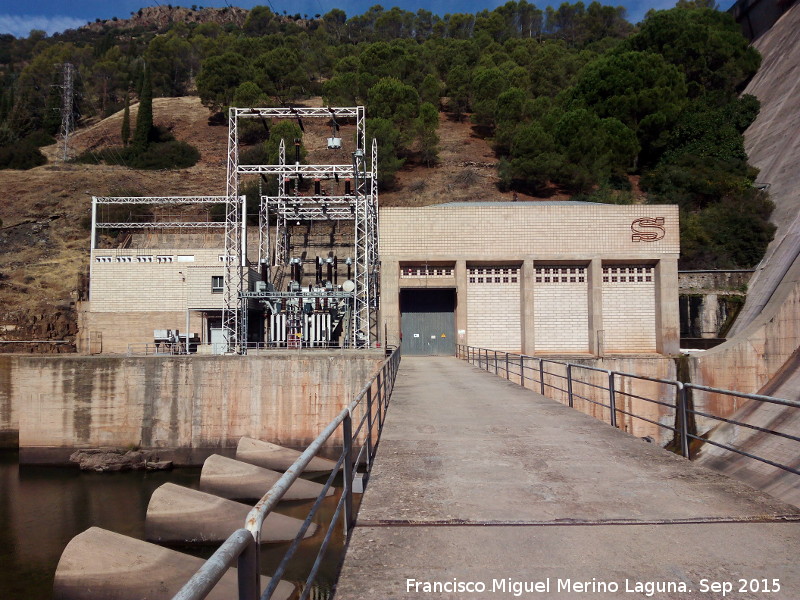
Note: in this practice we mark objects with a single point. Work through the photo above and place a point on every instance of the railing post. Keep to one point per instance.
(495, 361)
(369, 428)
(248, 573)
(684, 418)
(612, 399)
(541, 375)
(522, 370)
(381, 393)
(347, 434)
(569, 385)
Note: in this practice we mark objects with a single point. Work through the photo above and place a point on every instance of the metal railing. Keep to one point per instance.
(243, 546)
(157, 349)
(676, 401)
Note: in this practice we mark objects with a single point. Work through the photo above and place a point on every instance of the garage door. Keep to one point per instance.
(427, 321)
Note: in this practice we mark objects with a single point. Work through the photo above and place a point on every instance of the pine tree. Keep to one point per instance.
(144, 118)
(126, 121)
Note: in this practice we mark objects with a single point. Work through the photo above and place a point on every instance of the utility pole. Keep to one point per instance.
(67, 105)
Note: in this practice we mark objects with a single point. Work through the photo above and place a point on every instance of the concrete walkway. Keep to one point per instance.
(481, 488)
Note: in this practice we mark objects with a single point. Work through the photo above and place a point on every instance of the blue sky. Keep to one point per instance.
(18, 18)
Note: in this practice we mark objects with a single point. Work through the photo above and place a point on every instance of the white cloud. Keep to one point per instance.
(21, 25)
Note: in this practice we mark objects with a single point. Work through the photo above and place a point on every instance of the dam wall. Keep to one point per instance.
(186, 407)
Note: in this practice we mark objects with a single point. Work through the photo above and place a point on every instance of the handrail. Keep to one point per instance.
(501, 362)
(243, 546)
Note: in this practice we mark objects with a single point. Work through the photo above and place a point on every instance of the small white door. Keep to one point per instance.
(218, 345)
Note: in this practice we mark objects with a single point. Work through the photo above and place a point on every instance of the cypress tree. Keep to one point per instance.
(144, 118)
(126, 121)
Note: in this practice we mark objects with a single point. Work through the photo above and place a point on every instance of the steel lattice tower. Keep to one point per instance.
(361, 207)
(67, 106)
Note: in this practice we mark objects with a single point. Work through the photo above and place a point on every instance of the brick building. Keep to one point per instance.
(566, 278)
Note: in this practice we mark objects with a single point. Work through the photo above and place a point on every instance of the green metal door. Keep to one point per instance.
(428, 322)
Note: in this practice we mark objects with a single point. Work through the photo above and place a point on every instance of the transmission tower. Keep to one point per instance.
(67, 106)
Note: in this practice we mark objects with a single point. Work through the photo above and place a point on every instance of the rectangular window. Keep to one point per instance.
(217, 284)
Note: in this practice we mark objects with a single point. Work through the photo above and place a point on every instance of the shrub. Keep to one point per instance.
(21, 156)
(166, 155)
(39, 138)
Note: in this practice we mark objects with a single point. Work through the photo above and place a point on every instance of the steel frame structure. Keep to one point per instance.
(361, 207)
(163, 200)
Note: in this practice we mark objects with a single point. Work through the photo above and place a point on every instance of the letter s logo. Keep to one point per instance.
(647, 229)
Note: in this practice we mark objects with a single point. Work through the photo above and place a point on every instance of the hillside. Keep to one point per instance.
(160, 18)
(45, 235)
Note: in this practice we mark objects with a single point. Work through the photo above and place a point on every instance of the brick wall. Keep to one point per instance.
(504, 230)
(493, 308)
(629, 308)
(561, 309)
(124, 280)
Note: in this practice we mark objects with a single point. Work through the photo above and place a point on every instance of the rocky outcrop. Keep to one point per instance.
(112, 460)
(162, 17)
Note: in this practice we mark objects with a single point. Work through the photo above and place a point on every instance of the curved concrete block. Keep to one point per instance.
(277, 458)
(100, 564)
(178, 514)
(236, 480)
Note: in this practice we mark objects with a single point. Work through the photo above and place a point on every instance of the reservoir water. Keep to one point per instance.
(43, 508)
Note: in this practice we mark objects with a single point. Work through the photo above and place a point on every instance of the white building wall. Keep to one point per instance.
(126, 280)
(629, 308)
(493, 308)
(561, 309)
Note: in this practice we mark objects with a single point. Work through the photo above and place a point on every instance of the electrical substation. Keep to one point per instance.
(310, 279)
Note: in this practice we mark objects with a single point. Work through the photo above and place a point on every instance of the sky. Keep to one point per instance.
(19, 18)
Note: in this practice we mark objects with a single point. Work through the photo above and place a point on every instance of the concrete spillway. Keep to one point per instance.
(236, 480)
(101, 564)
(277, 458)
(178, 514)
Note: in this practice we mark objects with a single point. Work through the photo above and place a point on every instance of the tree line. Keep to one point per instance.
(574, 99)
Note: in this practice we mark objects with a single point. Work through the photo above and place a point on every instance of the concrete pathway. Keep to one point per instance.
(483, 489)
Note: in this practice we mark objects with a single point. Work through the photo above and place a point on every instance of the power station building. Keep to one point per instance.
(566, 278)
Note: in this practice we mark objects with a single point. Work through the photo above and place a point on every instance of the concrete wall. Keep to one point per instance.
(714, 281)
(626, 388)
(196, 405)
(114, 333)
(9, 407)
(749, 361)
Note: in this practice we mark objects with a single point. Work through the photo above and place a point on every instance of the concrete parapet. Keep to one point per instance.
(178, 514)
(187, 407)
(590, 390)
(100, 564)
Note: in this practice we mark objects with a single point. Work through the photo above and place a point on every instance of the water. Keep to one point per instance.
(43, 508)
